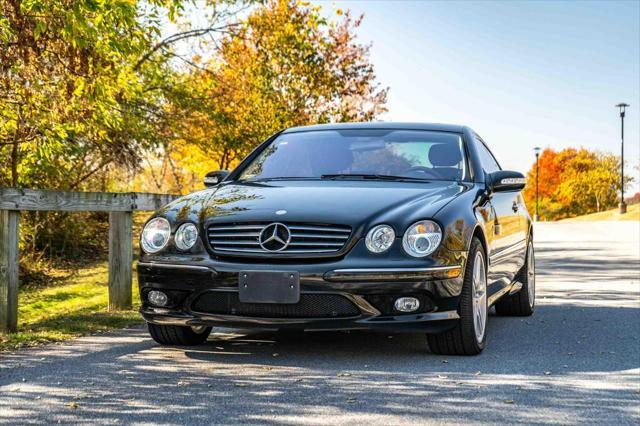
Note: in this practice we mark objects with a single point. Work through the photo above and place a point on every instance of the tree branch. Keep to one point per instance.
(181, 36)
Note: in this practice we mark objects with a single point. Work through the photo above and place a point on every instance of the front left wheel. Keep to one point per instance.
(469, 335)
(175, 335)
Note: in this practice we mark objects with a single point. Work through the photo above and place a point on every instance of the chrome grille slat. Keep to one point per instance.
(263, 252)
(305, 238)
(239, 227)
(241, 243)
(335, 237)
(233, 234)
(318, 228)
(313, 243)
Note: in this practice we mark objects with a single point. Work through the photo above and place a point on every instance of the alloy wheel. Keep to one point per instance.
(479, 296)
(531, 276)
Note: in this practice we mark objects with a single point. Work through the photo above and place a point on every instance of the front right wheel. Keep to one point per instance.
(470, 334)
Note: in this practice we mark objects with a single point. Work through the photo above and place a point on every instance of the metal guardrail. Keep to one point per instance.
(120, 207)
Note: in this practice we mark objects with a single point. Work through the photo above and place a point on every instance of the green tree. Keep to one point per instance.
(83, 85)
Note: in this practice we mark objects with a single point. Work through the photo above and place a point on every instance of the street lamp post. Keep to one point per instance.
(536, 217)
(623, 205)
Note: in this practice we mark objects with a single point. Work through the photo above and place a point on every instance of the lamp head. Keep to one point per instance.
(537, 150)
(622, 107)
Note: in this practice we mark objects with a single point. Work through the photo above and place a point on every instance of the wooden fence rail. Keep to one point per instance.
(120, 207)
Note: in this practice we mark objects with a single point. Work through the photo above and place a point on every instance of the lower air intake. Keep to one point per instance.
(309, 306)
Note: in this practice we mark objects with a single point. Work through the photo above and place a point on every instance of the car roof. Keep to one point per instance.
(379, 125)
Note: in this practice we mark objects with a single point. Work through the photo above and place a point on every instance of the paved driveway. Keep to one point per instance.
(576, 361)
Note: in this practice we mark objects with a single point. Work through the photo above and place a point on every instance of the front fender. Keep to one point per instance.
(460, 219)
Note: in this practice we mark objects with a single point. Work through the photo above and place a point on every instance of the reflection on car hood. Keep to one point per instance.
(332, 202)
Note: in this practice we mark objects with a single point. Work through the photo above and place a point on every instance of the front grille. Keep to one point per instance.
(309, 306)
(244, 238)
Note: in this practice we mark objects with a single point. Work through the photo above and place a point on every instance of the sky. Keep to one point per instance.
(521, 74)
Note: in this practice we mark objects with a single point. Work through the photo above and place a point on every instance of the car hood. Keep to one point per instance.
(353, 203)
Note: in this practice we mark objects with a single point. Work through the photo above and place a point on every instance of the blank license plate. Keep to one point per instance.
(269, 287)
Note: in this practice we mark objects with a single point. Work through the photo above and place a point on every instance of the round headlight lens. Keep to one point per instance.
(380, 238)
(155, 235)
(186, 236)
(422, 238)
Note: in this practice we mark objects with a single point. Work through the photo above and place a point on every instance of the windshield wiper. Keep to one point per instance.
(371, 176)
(267, 179)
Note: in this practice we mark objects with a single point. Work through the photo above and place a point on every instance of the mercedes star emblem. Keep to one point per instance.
(275, 237)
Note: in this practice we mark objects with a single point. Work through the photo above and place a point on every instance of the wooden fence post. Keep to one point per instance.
(120, 260)
(9, 223)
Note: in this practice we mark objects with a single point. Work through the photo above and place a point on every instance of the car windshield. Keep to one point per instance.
(360, 154)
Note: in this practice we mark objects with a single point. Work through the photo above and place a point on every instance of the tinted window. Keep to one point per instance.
(489, 163)
(405, 153)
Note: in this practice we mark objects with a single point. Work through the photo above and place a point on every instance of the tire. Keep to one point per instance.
(470, 334)
(522, 304)
(175, 335)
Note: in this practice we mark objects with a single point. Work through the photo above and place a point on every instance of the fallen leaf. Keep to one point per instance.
(444, 361)
(240, 385)
(352, 399)
(442, 376)
(344, 374)
(508, 401)
(477, 373)
(275, 354)
(547, 373)
(73, 405)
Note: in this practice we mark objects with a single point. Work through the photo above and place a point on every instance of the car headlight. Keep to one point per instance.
(155, 235)
(186, 236)
(380, 238)
(422, 238)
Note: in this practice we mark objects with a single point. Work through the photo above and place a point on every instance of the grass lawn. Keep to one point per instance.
(633, 213)
(75, 307)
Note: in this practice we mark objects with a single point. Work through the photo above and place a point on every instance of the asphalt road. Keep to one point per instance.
(576, 361)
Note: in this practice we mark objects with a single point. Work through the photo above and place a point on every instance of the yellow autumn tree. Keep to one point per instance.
(286, 65)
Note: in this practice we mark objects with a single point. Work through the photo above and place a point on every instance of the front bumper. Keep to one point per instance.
(203, 291)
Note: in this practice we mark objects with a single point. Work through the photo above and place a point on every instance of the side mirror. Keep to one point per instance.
(214, 178)
(506, 181)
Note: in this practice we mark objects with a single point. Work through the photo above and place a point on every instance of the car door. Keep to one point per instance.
(507, 242)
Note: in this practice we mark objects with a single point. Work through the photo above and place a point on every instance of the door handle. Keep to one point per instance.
(514, 207)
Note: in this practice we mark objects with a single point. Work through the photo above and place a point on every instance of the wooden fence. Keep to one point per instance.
(120, 207)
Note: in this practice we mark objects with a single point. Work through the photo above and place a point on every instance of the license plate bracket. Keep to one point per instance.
(269, 287)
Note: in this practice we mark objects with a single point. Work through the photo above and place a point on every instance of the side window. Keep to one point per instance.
(489, 163)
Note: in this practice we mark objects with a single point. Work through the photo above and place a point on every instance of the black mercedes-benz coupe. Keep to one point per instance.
(377, 226)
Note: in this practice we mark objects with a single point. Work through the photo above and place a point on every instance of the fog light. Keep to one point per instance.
(406, 304)
(157, 298)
